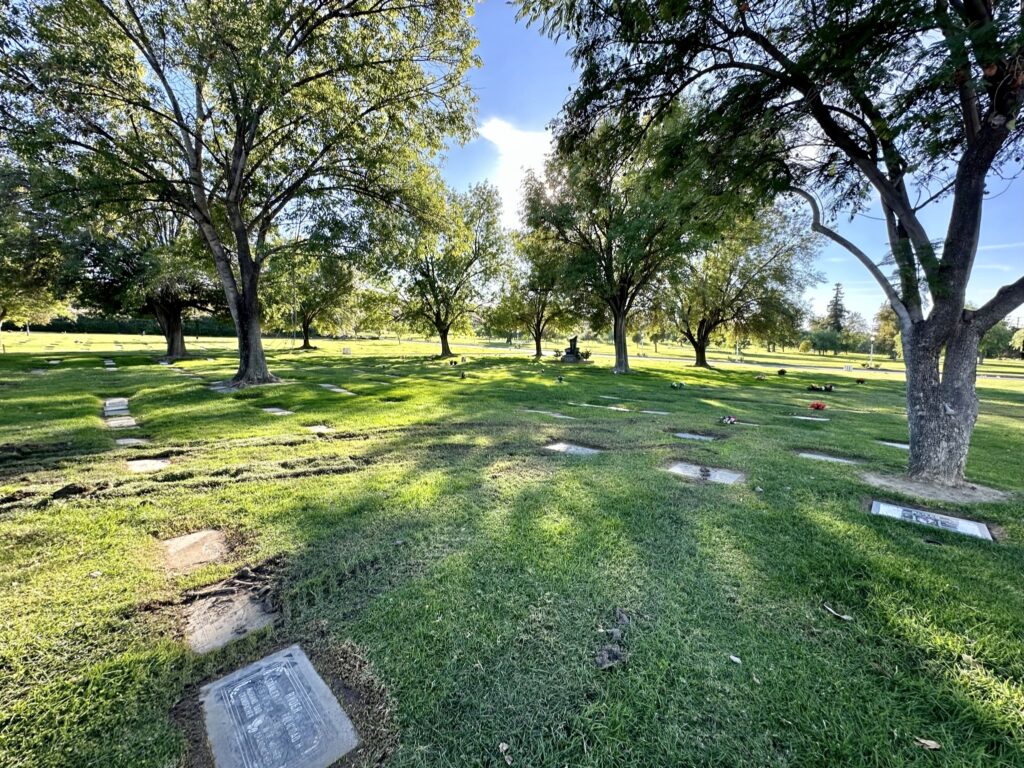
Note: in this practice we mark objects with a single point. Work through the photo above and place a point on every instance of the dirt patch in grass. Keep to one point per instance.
(963, 494)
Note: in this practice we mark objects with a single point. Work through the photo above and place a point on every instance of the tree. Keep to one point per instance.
(235, 113)
(1017, 342)
(619, 225)
(32, 245)
(996, 342)
(887, 331)
(152, 261)
(835, 313)
(778, 322)
(755, 270)
(441, 265)
(313, 286)
(535, 298)
(914, 101)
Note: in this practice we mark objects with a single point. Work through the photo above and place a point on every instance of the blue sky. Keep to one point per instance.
(526, 77)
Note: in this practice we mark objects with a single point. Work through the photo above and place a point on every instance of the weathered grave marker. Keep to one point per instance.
(129, 442)
(713, 474)
(193, 550)
(811, 418)
(934, 519)
(148, 465)
(655, 413)
(891, 444)
(121, 422)
(337, 390)
(571, 450)
(694, 436)
(274, 411)
(320, 429)
(276, 713)
(552, 414)
(213, 621)
(826, 457)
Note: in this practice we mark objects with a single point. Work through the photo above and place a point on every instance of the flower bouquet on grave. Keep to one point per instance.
(817, 405)
(677, 384)
(728, 420)
(760, 377)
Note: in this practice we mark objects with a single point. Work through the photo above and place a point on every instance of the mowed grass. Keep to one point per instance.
(476, 572)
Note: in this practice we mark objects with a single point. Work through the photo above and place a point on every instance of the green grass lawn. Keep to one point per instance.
(458, 579)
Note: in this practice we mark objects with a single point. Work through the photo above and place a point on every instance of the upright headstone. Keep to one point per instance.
(276, 713)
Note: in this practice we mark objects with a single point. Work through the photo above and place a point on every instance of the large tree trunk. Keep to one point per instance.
(619, 337)
(305, 335)
(168, 317)
(537, 343)
(700, 354)
(446, 350)
(941, 407)
(252, 361)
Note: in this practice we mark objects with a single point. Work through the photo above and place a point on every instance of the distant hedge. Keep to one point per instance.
(134, 325)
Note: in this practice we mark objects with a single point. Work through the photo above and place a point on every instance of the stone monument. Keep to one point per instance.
(572, 352)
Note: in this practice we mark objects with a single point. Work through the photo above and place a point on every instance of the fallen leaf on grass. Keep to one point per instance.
(927, 743)
(842, 616)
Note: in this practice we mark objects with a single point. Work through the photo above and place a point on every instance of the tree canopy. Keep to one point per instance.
(230, 113)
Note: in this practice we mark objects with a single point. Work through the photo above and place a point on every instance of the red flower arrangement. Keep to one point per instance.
(817, 405)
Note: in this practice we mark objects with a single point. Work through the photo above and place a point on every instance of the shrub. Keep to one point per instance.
(782, 371)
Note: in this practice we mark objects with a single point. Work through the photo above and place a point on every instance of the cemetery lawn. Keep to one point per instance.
(462, 580)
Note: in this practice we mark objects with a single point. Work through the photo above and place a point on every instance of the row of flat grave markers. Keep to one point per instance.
(117, 416)
(109, 365)
(274, 713)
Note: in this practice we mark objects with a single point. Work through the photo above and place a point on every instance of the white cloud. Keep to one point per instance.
(1000, 246)
(518, 151)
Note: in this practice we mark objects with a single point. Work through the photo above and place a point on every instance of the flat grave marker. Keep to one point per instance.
(552, 414)
(131, 442)
(826, 457)
(121, 422)
(655, 413)
(694, 436)
(276, 713)
(712, 474)
(213, 621)
(569, 449)
(337, 390)
(275, 411)
(891, 444)
(811, 418)
(320, 429)
(184, 554)
(934, 519)
(605, 407)
(147, 465)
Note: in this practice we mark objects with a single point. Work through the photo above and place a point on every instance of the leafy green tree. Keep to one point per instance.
(826, 339)
(236, 113)
(441, 266)
(887, 331)
(312, 286)
(758, 267)
(152, 261)
(996, 342)
(777, 322)
(835, 313)
(913, 101)
(32, 249)
(1017, 342)
(619, 225)
(535, 298)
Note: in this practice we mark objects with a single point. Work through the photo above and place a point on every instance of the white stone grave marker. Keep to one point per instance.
(934, 519)
(571, 450)
(276, 713)
(826, 457)
(697, 472)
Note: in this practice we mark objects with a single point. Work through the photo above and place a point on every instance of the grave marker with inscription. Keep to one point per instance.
(276, 713)
(934, 519)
